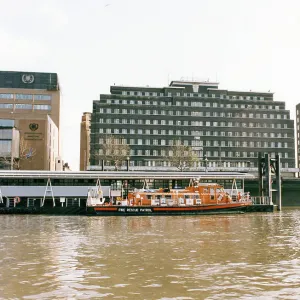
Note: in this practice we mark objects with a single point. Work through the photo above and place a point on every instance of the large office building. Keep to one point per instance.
(31, 101)
(228, 128)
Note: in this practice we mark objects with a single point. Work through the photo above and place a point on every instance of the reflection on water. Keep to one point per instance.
(194, 257)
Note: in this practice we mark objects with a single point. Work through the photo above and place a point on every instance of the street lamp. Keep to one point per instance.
(127, 163)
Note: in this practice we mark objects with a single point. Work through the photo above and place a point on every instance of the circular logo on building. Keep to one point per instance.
(33, 126)
(28, 78)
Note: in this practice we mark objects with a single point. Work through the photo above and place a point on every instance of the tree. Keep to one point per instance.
(182, 157)
(113, 149)
(26, 153)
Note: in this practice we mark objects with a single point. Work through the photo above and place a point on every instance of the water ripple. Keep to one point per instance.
(206, 257)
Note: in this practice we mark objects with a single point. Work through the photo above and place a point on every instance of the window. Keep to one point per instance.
(6, 96)
(25, 106)
(2, 105)
(42, 97)
(5, 147)
(6, 134)
(23, 96)
(37, 106)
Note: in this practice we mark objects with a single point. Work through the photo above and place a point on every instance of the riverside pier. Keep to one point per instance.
(65, 193)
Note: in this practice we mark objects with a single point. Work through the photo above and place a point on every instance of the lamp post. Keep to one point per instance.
(127, 163)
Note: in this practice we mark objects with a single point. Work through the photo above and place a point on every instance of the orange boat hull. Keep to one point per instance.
(168, 210)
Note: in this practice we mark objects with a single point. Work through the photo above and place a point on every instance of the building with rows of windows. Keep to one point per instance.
(30, 101)
(229, 128)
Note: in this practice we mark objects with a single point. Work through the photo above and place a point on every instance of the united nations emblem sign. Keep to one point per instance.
(33, 126)
(28, 78)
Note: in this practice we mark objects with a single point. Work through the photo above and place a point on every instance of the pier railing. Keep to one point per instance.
(261, 200)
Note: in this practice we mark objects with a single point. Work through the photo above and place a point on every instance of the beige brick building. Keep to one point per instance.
(32, 100)
(85, 141)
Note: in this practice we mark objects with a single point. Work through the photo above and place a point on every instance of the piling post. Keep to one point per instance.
(278, 182)
(260, 174)
(268, 177)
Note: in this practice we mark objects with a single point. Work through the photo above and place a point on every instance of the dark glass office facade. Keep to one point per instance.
(229, 127)
(29, 80)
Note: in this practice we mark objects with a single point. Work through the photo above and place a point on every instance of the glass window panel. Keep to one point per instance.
(23, 97)
(3, 105)
(6, 96)
(5, 147)
(41, 107)
(6, 134)
(42, 97)
(23, 106)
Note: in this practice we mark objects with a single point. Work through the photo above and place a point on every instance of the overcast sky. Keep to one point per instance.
(92, 44)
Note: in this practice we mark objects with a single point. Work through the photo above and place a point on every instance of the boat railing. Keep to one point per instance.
(261, 200)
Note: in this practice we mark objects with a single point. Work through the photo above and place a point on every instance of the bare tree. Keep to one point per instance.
(114, 149)
(182, 157)
(26, 153)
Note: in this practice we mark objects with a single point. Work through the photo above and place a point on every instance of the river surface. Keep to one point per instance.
(249, 256)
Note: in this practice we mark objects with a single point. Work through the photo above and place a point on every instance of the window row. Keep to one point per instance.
(191, 113)
(35, 107)
(209, 154)
(179, 94)
(192, 123)
(25, 97)
(194, 133)
(197, 143)
(193, 104)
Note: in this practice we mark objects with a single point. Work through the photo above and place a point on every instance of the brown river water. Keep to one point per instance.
(248, 256)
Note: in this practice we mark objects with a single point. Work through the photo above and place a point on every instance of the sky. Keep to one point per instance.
(93, 44)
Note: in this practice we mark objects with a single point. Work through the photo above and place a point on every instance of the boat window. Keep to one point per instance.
(149, 197)
(168, 197)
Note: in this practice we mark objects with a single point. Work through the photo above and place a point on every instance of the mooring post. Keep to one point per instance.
(278, 182)
(260, 175)
(268, 177)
